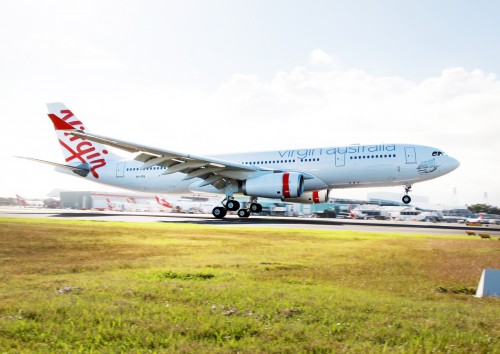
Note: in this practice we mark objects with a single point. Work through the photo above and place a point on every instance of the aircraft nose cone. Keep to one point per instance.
(454, 163)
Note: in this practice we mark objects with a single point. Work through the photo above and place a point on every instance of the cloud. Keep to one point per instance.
(319, 57)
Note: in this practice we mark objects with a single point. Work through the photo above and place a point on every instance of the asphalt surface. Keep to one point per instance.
(254, 221)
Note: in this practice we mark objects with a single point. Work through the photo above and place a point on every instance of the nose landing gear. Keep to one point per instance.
(406, 198)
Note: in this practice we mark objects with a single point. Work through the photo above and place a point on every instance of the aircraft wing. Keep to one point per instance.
(212, 171)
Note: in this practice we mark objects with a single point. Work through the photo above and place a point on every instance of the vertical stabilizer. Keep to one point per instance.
(21, 201)
(78, 151)
(163, 202)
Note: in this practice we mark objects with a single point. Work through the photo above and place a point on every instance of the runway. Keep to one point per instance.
(253, 221)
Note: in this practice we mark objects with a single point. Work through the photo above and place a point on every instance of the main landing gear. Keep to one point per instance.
(229, 203)
(406, 197)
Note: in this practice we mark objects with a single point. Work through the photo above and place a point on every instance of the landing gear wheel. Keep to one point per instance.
(233, 205)
(406, 199)
(219, 212)
(243, 213)
(255, 208)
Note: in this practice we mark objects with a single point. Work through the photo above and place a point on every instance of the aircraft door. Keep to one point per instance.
(411, 156)
(339, 159)
(120, 169)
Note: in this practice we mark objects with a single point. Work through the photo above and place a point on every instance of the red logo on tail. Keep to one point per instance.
(84, 151)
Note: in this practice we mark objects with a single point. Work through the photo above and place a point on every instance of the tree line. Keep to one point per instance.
(484, 208)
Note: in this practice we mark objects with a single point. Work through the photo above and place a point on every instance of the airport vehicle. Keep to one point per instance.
(29, 203)
(370, 212)
(412, 214)
(299, 175)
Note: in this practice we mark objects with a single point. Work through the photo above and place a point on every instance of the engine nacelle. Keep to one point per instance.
(314, 197)
(275, 185)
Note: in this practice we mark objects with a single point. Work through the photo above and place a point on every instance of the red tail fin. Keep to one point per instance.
(21, 201)
(163, 202)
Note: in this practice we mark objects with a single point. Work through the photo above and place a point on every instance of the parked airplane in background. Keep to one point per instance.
(109, 206)
(31, 203)
(163, 202)
(480, 220)
(302, 176)
(475, 221)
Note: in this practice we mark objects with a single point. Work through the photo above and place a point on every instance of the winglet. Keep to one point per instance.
(60, 124)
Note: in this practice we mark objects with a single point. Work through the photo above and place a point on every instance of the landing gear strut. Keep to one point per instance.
(227, 204)
(254, 207)
(406, 197)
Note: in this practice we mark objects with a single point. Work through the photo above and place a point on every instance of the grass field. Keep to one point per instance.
(83, 286)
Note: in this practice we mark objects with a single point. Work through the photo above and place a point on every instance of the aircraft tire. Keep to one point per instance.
(243, 213)
(406, 199)
(233, 205)
(219, 212)
(255, 208)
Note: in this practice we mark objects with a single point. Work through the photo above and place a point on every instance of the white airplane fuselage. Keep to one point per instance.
(352, 166)
(303, 175)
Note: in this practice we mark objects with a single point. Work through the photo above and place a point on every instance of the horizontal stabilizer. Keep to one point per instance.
(81, 170)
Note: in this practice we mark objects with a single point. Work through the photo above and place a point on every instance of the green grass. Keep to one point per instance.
(187, 288)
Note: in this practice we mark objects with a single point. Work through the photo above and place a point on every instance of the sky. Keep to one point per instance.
(224, 76)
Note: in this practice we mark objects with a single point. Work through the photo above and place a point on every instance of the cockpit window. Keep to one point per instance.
(438, 153)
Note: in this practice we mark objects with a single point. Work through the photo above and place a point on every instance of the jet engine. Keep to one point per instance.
(314, 197)
(275, 185)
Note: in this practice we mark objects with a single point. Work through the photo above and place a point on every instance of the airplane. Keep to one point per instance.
(108, 207)
(163, 202)
(32, 203)
(192, 205)
(292, 175)
(480, 220)
(129, 204)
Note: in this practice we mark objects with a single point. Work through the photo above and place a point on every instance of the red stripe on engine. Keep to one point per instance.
(286, 185)
(316, 197)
